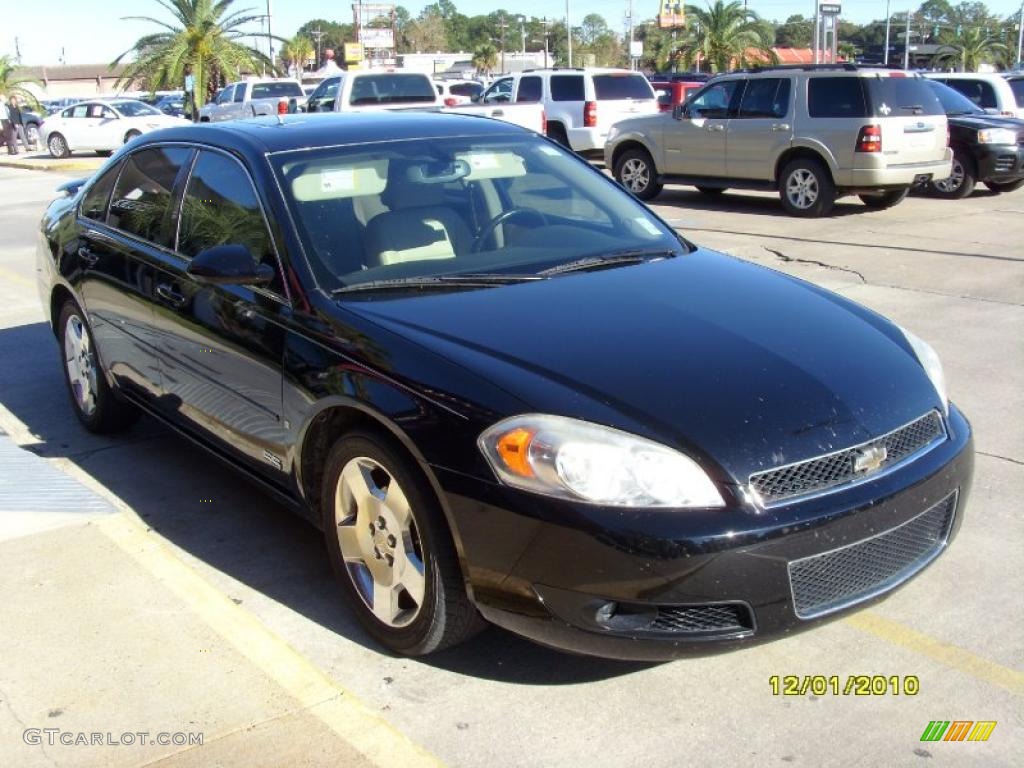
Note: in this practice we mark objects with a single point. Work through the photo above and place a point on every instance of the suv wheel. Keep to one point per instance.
(884, 199)
(806, 188)
(636, 172)
(556, 132)
(961, 180)
(1004, 186)
(391, 549)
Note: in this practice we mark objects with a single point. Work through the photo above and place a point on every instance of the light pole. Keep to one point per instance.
(568, 31)
(522, 34)
(906, 44)
(503, 25)
(817, 32)
(888, 18)
(270, 38)
(1020, 33)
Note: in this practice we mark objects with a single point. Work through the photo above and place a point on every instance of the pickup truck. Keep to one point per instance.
(249, 98)
(362, 91)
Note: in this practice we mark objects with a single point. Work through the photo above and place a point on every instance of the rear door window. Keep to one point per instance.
(567, 88)
(142, 197)
(620, 86)
(392, 88)
(529, 89)
(836, 97)
(765, 98)
(902, 97)
(978, 91)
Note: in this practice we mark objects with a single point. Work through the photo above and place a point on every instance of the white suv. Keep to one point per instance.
(581, 104)
(989, 91)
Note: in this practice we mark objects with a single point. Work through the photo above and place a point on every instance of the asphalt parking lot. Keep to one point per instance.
(180, 600)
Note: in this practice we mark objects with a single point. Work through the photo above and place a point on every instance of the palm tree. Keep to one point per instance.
(969, 49)
(13, 85)
(203, 35)
(485, 58)
(298, 51)
(727, 34)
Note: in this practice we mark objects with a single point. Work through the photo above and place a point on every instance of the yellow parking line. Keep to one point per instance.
(950, 655)
(339, 710)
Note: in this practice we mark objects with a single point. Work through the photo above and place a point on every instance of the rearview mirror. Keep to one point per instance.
(229, 265)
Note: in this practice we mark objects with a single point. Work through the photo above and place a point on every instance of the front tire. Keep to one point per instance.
(635, 171)
(999, 187)
(92, 399)
(961, 181)
(887, 199)
(806, 188)
(58, 146)
(391, 549)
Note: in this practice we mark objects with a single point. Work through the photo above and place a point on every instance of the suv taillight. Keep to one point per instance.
(590, 114)
(451, 101)
(869, 139)
(282, 107)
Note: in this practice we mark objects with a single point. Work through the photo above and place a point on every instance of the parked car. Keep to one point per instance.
(373, 91)
(581, 105)
(101, 126)
(990, 91)
(547, 410)
(456, 92)
(252, 98)
(32, 122)
(986, 148)
(673, 93)
(172, 104)
(813, 133)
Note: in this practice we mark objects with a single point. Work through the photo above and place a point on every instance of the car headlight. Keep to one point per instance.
(929, 360)
(997, 136)
(572, 459)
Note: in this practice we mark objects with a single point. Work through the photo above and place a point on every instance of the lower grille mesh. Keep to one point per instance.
(702, 618)
(826, 582)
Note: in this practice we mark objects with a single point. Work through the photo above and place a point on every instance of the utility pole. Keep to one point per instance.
(503, 25)
(1020, 33)
(817, 32)
(888, 18)
(906, 44)
(568, 31)
(629, 42)
(522, 33)
(318, 34)
(270, 37)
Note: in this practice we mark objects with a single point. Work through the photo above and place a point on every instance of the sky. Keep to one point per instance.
(91, 33)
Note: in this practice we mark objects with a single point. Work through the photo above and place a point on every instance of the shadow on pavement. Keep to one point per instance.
(737, 201)
(218, 517)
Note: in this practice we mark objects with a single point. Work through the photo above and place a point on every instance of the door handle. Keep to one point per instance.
(170, 295)
(780, 127)
(498, 113)
(716, 127)
(89, 257)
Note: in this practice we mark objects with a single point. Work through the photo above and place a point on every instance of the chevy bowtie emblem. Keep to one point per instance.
(869, 459)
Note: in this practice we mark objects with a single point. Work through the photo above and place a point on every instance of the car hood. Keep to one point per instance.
(979, 122)
(734, 363)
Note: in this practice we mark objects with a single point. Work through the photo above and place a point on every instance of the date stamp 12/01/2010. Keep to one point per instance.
(851, 685)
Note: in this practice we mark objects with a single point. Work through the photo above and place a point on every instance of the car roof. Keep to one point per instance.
(271, 134)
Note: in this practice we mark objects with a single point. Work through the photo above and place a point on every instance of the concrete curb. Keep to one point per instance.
(31, 164)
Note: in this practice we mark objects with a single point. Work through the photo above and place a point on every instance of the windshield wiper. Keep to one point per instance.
(621, 258)
(469, 280)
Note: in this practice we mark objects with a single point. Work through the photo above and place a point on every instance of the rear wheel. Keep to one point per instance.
(556, 132)
(961, 179)
(104, 152)
(711, 191)
(884, 199)
(636, 172)
(391, 549)
(32, 134)
(58, 145)
(132, 134)
(1005, 186)
(806, 188)
(92, 399)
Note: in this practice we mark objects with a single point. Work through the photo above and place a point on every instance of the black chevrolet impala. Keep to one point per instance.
(503, 388)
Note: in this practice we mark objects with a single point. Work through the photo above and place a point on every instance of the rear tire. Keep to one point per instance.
(391, 549)
(711, 191)
(58, 146)
(961, 181)
(556, 132)
(1000, 187)
(635, 171)
(132, 134)
(806, 188)
(885, 199)
(92, 399)
(104, 152)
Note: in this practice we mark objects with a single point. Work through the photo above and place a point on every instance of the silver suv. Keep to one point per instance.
(812, 133)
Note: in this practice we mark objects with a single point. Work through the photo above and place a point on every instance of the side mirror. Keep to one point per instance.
(229, 265)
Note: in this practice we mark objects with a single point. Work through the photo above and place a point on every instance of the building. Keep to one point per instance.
(83, 80)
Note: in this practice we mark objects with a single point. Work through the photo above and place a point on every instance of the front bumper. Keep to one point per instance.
(1001, 163)
(549, 570)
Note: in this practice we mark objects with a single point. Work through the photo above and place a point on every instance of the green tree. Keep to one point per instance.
(16, 85)
(797, 32)
(427, 33)
(971, 48)
(298, 52)
(485, 58)
(204, 35)
(593, 28)
(729, 35)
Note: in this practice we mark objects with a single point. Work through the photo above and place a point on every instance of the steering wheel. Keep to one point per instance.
(501, 218)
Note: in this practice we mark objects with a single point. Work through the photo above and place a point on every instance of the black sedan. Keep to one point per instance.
(986, 148)
(501, 386)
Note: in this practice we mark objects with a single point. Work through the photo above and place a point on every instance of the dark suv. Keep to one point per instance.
(986, 148)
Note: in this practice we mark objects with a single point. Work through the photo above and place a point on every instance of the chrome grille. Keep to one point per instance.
(829, 581)
(702, 618)
(834, 469)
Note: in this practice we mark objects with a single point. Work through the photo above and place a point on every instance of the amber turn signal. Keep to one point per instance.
(513, 448)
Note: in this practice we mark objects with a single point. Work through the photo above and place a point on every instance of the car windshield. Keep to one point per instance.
(134, 108)
(460, 207)
(954, 102)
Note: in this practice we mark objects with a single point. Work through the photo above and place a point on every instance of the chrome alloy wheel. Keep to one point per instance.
(802, 188)
(636, 175)
(379, 541)
(81, 364)
(955, 180)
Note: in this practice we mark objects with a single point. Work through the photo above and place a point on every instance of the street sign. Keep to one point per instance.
(830, 9)
(636, 49)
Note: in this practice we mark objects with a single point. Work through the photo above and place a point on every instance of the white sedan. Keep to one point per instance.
(101, 126)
